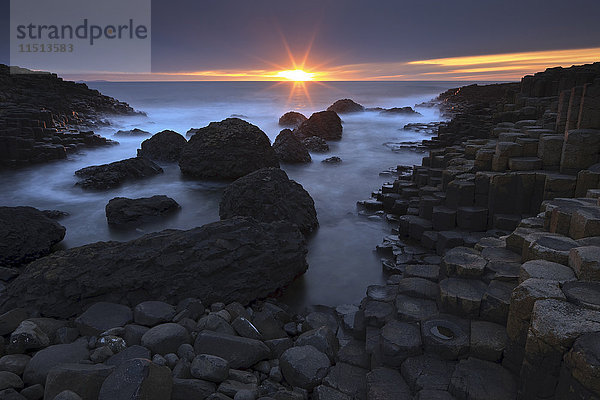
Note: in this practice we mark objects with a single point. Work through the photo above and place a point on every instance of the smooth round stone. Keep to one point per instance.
(585, 294)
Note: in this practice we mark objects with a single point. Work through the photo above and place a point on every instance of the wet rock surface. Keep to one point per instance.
(122, 212)
(107, 176)
(324, 124)
(164, 146)
(290, 149)
(228, 149)
(269, 195)
(27, 234)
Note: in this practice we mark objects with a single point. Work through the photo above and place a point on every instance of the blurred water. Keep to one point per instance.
(341, 256)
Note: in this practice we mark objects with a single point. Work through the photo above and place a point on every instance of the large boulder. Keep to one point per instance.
(164, 146)
(27, 234)
(345, 106)
(292, 119)
(137, 379)
(324, 124)
(228, 149)
(269, 195)
(290, 149)
(122, 212)
(111, 175)
(239, 259)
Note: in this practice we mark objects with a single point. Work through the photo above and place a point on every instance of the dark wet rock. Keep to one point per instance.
(446, 336)
(14, 363)
(238, 259)
(28, 336)
(215, 323)
(415, 309)
(210, 368)
(83, 379)
(399, 340)
(488, 340)
(33, 392)
(304, 366)
(427, 371)
(27, 234)
(323, 339)
(131, 352)
(378, 313)
(463, 262)
(386, 383)
(228, 149)
(55, 214)
(184, 389)
(164, 146)
(585, 294)
(245, 328)
(67, 395)
(290, 149)
(315, 144)
(122, 212)
(345, 106)
(238, 351)
(151, 313)
(324, 124)
(137, 378)
(332, 160)
(133, 333)
(44, 360)
(399, 111)
(11, 319)
(461, 296)
(102, 316)
(348, 379)
(418, 287)
(323, 392)
(583, 361)
(8, 380)
(269, 195)
(165, 338)
(132, 132)
(292, 119)
(111, 175)
(475, 379)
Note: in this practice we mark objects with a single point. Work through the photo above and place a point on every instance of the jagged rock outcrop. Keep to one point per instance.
(292, 119)
(290, 149)
(324, 124)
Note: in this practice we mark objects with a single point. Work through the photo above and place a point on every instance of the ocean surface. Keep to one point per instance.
(342, 259)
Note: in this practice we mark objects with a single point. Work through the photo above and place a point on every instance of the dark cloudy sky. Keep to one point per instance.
(232, 35)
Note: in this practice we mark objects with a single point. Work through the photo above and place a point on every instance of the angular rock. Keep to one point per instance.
(102, 316)
(488, 340)
(398, 341)
(238, 351)
(463, 262)
(585, 261)
(418, 287)
(290, 149)
(348, 379)
(427, 372)
(304, 366)
(232, 260)
(164, 146)
(129, 353)
(245, 328)
(152, 313)
(415, 309)
(322, 339)
(184, 389)
(137, 379)
(122, 212)
(482, 380)
(27, 234)
(495, 302)
(461, 296)
(446, 336)
(542, 269)
(386, 383)
(228, 149)
(268, 195)
(28, 336)
(83, 379)
(107, 176)
(14, 363)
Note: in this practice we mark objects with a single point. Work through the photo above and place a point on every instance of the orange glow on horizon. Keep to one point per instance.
(296, 75)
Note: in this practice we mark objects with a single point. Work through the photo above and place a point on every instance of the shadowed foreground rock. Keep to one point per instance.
(324, 124)
(290, 149)
(238, 259)
(228, 149)
(122, 212)
(269, 195)
(27, 234)
(111, 175)
(164, 146)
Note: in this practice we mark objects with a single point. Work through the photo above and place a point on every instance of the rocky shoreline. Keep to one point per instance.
(43, 118)
(492, 288)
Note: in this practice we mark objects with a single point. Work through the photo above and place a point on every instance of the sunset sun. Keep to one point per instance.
(297, 75)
